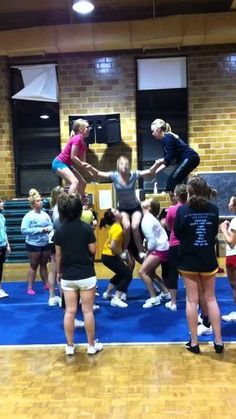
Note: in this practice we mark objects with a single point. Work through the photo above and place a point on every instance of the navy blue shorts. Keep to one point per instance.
(38, 249)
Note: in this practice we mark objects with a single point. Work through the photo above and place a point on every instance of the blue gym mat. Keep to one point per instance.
(27, 320)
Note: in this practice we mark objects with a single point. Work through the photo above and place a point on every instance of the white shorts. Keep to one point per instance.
(79, 284)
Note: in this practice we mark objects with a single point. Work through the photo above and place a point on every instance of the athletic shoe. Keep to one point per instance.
(30, 291)
(142, 255)
(199, 319)
(124, 255)
(171, 306)
(78, 323)
(54, 301)
(70, 350)
(93, 349)
(203, 330)
(194, 349)
(219, 348)
(123, 296)
(151, 302)
(231, 317)
(3, 294)
(106, 296)
(165, 296)
(117, 302)
(96, 307)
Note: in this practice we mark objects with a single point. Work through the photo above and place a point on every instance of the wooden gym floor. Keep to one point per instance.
(122, 382)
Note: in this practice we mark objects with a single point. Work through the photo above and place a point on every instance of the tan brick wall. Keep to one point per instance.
(7, 176)
(102, 83)
(97, 84)
(212, 109)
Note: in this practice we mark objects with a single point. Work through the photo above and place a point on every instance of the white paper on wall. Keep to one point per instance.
(40, 83)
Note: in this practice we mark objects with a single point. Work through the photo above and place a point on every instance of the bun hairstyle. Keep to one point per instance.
(69, 207)
(33, 194)
(199, 193)
(78, 126)
(159, 123)
(181, 192)
(107, 219)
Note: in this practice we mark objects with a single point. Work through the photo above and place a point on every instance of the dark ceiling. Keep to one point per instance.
(15, 14)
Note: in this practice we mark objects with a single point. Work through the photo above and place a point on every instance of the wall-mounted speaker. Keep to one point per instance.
(104, 129)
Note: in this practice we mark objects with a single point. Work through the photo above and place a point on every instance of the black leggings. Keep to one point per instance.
(171, 281)
(123, 275)
(181, 172)
(2, 260)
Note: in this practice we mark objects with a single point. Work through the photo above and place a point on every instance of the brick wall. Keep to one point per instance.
(98, 83)
(212, 110)
(95, 84)
(7, 176)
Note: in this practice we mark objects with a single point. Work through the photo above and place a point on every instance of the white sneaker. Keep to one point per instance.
(151, 302)
(78, 323)
(142, 255)
(164, 296)
(117, 302)
(123, 296)
(70, 350)
(54, 301)
(203, 330)
(171, 306)
(96, 307)
(124, 255)
(106, 296)
(93, 349)
(199, 319)
(3, 294)
(231, 317)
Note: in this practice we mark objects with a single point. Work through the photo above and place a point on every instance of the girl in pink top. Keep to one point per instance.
(180, 194)
(73, 157)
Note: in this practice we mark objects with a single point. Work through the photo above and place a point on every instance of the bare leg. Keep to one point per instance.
(43, 266)
(52, 277)
(34, 263)
(208, 286)
(173, 294)
(126, 227)
(135, 225)
(149, 264)
(191, 283)
(68, 176)
(87, 301)
(231, 273)
(71, 301)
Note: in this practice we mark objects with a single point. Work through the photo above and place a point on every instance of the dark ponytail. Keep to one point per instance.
(108, 219)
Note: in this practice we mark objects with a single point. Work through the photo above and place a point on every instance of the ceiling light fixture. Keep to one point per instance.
(82, 6)
(44, 116)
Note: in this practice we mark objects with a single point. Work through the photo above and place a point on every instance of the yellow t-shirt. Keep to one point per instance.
(114, 232)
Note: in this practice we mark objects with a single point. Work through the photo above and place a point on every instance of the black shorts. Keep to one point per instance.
(131, 211)
(37, 249)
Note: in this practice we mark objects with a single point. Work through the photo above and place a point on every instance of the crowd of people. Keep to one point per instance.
(182, 242)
